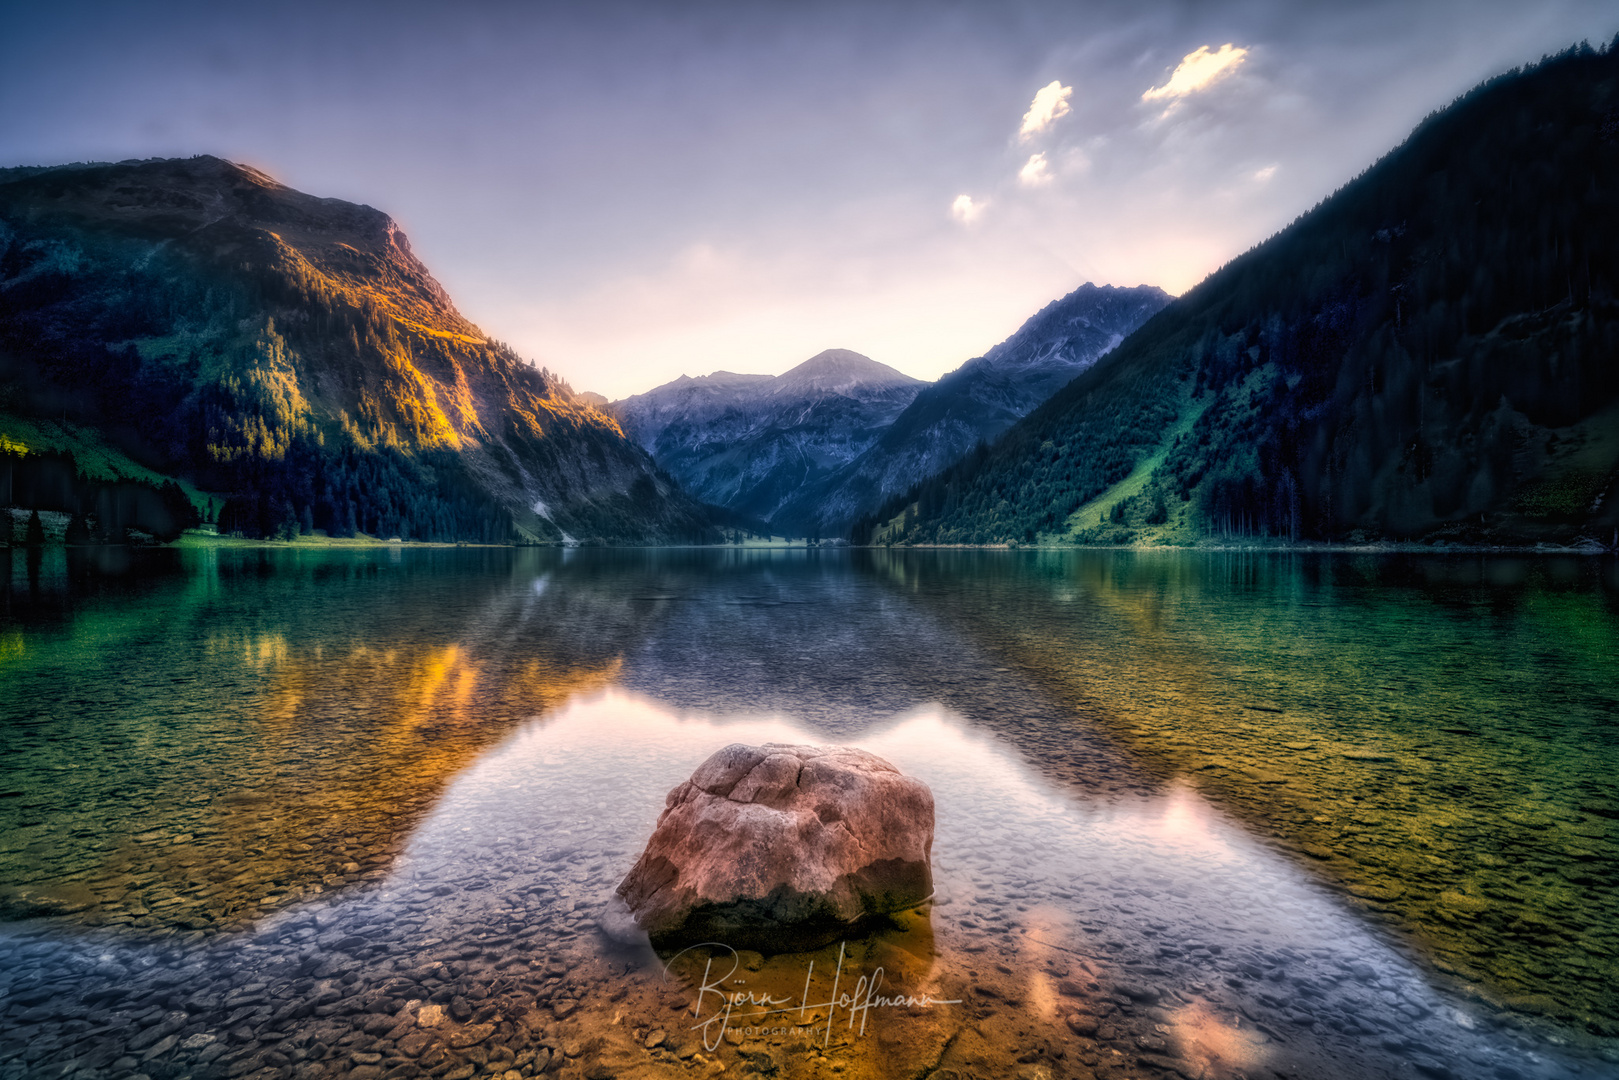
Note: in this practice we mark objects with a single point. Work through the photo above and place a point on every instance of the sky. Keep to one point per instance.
(626, 192)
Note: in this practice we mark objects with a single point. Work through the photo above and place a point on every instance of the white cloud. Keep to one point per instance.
(1197, 71)
(1264, 175)
(965, 210)
(1049, 105)
(1036, 172)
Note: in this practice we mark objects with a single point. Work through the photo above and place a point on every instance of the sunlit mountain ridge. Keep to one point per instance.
(293, 355)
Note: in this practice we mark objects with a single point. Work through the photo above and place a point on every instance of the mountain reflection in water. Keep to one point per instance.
(303, 804)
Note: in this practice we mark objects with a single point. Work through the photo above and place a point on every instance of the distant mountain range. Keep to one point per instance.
(193, 324)
(811, 450)
(1431, 354)
(750, 443)
(975, 403)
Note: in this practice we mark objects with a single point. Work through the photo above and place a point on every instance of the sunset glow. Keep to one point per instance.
(823, 163)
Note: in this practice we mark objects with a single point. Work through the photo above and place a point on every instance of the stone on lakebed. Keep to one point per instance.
(783, 848)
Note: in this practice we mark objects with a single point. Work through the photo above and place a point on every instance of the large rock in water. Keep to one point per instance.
(783, 848)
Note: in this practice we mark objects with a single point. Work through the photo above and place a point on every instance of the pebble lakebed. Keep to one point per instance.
(1130, 936)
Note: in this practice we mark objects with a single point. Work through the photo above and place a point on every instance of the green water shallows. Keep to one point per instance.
(228, 756)
(1441, 733)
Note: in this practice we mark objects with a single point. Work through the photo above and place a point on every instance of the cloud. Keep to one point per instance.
(1036, 172)
(1197, 71)
(965, 210)
(1049, 105)
(1264, 175)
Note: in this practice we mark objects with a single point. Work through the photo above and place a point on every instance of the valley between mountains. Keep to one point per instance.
(1430, 356)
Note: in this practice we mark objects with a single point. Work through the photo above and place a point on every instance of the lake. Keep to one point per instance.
(288, 813)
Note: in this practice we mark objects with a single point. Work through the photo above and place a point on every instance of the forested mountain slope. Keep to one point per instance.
(1431, 354)
(291, 354)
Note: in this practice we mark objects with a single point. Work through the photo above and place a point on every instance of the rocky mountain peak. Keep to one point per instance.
(236, 214)
(840, 371)
(750, 442)
(292, 351)
(1075, 330)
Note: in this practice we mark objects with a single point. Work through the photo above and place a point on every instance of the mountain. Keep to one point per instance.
(197, 320)
(1431, 354)
(749, 443)
(975, 403)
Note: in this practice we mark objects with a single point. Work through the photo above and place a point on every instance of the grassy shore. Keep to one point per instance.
(1280, 547)
(198, 538)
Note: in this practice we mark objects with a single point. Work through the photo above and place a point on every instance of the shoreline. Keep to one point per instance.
(1374, 548)
(203, 541)
(200, 541)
